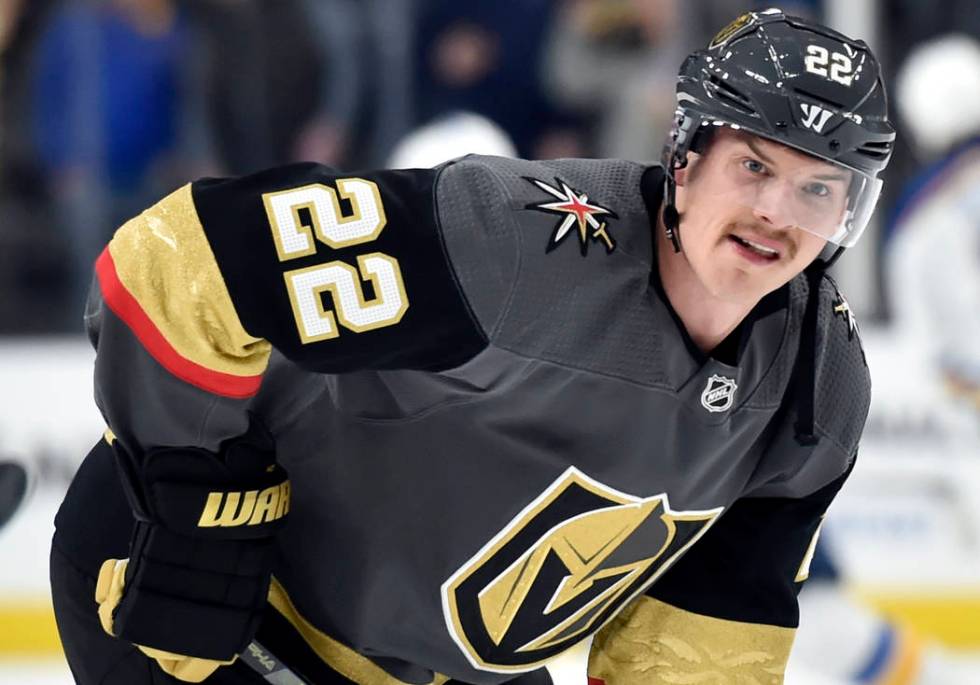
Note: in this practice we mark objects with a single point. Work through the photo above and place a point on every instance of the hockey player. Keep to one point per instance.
(520, 403)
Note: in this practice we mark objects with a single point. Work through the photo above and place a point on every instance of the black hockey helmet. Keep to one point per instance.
(797, 83)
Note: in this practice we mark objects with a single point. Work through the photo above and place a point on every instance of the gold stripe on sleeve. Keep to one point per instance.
(651, 642)
(163, 259)
(339, 657)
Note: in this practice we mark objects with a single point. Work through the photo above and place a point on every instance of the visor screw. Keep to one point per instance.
(835, 145)
(780, 124)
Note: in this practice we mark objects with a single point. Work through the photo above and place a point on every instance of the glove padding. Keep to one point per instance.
(108, 592)
(202, 550)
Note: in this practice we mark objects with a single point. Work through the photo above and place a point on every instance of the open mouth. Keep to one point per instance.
(753, 250)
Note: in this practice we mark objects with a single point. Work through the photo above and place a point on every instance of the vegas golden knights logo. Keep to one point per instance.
(562, 568)
(722, 36)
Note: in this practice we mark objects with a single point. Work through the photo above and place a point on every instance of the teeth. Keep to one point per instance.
(761, 248)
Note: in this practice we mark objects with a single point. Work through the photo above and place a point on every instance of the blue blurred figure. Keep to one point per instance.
(485, 57)
(106, 108)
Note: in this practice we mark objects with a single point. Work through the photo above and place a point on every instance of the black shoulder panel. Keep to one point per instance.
(294, 296)
(843, 383)
(746, 567)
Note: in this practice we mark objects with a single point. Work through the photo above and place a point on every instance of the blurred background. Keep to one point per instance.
(107, 105)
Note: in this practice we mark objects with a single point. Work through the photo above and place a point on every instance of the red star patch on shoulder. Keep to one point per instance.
(576, 212)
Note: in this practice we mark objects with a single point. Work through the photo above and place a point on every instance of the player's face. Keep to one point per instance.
(742, 204)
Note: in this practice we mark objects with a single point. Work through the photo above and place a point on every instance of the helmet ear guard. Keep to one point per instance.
(687, 135)
(675, 159)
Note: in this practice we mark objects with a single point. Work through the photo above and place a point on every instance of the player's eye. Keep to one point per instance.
(817, 189)
(754, 166)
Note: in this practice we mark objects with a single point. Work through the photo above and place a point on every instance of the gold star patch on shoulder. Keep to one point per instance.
(576, 212)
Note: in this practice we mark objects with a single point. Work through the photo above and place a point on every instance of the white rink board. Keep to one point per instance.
(49, 420)
(46, 403)
(909, 516)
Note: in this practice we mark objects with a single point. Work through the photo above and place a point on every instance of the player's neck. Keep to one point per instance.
(707, 319)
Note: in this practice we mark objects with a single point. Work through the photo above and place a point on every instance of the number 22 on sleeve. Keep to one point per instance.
(306, 287)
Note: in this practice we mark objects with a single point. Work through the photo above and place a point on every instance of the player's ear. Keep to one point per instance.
(681, 175)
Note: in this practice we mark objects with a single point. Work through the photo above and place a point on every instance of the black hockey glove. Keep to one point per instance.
(202, 551)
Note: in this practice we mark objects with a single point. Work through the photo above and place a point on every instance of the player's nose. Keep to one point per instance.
(772, 206)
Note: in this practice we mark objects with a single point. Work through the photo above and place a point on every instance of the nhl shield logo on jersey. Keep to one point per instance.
(719, 394)
(560, 569)
(576, 212)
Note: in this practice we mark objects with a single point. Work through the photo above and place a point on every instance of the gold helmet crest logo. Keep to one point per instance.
(722, 36)
(560, 569)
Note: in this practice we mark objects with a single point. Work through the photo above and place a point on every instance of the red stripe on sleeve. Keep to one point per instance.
(596, 681)
(125, 306)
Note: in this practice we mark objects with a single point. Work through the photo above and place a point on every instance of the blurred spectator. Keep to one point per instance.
(31, 250)
(910, 22)
(107, 113)
(324, 136)
(20, 23)
(10, 13)
(618, 60)
(386, 56)
(282, 81)
(485, 57)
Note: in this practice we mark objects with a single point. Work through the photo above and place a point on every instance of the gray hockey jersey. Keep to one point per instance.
(500, 438)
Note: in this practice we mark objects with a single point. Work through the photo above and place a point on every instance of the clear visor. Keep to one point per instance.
(787, 188)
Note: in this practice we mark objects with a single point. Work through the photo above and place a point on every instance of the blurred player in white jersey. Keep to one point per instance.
(932, 255)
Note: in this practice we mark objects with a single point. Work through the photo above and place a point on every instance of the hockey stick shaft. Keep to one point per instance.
(272, 669)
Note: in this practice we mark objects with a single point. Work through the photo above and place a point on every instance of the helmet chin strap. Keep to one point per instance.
(672, 219)
(833, 258)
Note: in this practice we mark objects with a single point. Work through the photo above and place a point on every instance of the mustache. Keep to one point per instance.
(787, 246)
